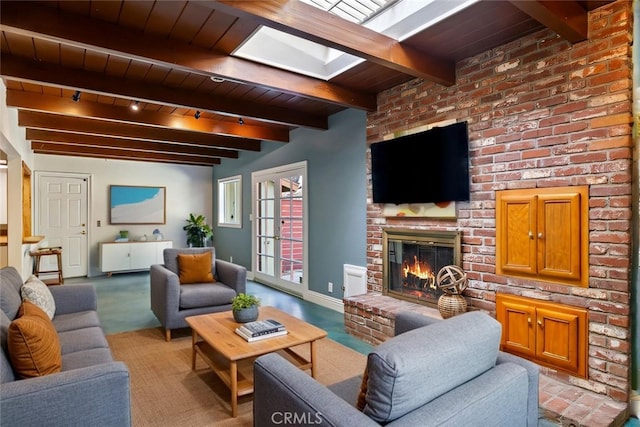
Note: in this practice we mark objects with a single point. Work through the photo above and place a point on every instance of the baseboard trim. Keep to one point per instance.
(324, 300)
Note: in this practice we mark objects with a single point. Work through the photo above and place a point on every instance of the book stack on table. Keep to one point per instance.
(261, 329)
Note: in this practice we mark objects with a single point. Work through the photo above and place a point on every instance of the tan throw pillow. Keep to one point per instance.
(362, 395)
(195, 268)
(33, 344)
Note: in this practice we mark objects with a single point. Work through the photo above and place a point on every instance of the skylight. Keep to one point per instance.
(357, 11)
(397, 19)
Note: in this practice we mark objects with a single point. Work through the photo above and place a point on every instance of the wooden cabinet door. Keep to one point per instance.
(517, 319)
(559, 337)
(515, 232)
(559, 236)
(547, 333)
(543, 233)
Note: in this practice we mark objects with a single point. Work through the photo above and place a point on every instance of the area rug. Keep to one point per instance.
(165, 391)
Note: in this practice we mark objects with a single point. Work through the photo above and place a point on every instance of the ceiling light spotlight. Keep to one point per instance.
(197, 115)
(240, 121)
(76, 96)
(135, 106)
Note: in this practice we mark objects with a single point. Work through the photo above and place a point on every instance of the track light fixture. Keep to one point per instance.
(240, 121)
(76, 96)
(135, 106)
(197, 115)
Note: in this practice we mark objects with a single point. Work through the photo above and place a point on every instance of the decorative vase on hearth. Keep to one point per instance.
(452, 280)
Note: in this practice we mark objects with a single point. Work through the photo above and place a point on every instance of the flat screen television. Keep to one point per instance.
(426, 167)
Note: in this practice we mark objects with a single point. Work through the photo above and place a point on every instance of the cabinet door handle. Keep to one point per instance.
(539, 235)
(529, 320)
(531, 234)
(540, 324)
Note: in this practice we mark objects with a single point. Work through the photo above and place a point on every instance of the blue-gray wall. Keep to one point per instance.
(336, 194)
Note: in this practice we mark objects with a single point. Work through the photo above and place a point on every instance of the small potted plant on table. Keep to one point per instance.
(245, 308)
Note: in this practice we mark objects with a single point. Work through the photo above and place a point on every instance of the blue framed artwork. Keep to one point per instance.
(137, 205)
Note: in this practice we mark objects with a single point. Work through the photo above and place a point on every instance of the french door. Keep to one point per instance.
(279, 227)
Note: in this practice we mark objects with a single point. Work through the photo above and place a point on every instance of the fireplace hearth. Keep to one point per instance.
(412, 259)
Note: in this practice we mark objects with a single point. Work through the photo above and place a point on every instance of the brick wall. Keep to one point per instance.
(541, 113)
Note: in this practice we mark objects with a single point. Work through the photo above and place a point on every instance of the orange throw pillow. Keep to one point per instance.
(33, 344)
(362, 395)
(195, 268)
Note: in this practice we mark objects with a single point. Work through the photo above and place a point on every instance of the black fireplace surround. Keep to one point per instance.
(412, 259)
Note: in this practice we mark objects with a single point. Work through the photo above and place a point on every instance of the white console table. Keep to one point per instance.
(131, 256)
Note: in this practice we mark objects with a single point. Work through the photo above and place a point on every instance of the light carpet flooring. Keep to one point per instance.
(165, 391)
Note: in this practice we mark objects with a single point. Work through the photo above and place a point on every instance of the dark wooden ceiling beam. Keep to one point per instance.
(567, 18)
(306, 21)
(38, 72)
(104, 141)
(55, 104)
(38, 120)
(46, 148)
(38, 21)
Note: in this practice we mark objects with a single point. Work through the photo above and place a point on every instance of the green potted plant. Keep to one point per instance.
(245, 308)
(198, 231)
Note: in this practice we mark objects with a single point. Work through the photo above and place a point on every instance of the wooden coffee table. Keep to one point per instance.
(231, 357)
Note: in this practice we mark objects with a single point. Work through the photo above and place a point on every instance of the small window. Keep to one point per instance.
(230, 202)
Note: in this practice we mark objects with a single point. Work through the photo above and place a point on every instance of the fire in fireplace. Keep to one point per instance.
(412, 259)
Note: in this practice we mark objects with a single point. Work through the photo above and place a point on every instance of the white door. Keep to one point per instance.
(61, 216)
(280, 227)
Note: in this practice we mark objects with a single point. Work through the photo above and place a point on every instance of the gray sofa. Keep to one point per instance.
(91, 389)
(172, 302)
(431, 373)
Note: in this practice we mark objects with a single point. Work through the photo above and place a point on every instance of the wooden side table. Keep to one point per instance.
(53, 251)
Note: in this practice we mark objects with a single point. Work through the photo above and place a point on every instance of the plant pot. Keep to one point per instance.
(246, 314)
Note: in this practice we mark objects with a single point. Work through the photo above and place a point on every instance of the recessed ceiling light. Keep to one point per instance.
(217, 79)
(135, 106)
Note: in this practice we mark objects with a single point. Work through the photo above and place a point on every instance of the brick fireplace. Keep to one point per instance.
(541, 113)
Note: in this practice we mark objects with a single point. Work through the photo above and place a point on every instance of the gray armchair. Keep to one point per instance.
(432, 373)
(172, 302)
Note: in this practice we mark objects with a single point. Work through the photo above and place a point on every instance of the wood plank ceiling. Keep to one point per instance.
(172, 59)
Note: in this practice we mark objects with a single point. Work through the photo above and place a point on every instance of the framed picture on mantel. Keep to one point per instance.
(137, 205)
